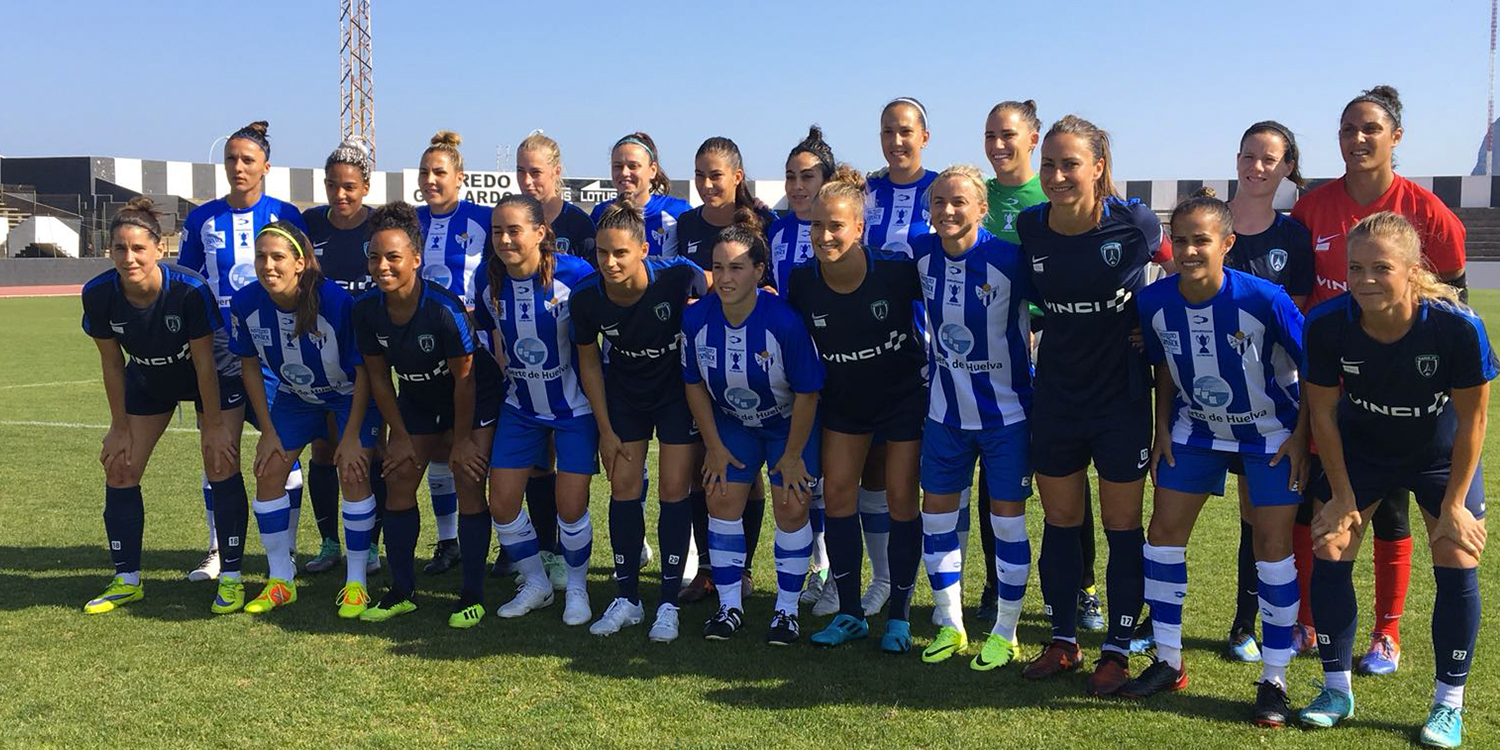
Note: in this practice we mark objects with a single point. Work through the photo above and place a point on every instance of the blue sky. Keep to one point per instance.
(1174, 82)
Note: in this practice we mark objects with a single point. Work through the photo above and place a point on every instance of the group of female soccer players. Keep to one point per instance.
(881, 336)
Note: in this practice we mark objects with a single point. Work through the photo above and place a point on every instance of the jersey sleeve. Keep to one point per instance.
(584, 327)
(669, 241)
(690, 325)
(1321, 346)
(804, 368)
(1443, 239)
(96, 313)
(241, 343)
(200, 311)
(1476, 363)
(1157, 244)
(363, 320)
(455, 331)
(293, 215)
(190, 250)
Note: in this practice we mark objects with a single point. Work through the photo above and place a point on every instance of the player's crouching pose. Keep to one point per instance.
(300, 326)
(1415, 367)
(1225, 346)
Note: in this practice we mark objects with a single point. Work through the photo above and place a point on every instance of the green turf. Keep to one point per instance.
(163, 672)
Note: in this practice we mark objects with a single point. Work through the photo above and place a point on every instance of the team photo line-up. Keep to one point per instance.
(883, 336)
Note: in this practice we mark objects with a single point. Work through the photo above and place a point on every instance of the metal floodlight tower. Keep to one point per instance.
(356, 86)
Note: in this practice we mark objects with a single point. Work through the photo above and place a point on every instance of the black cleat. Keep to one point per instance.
(444, 556)
(784, 629)
(1271, 706)
(989, 604)
(724, 624)
(1160, 677)
(503, 566)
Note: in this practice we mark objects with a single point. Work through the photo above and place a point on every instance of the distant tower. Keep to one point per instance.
(356, 86)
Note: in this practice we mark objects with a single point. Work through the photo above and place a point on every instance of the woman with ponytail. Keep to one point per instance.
(635, 169)
(719, 177)
(539, 172)
(299, 325)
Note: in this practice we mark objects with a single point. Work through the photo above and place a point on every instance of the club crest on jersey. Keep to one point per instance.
(1110, 252)
(766, 360)
(174, 323)
(564, 245)
(1277, 257)
(1427, 364)
(987, 294)
(427, 342)
(1240, 342)
(663, 311)
(880, 308)
(660, 235)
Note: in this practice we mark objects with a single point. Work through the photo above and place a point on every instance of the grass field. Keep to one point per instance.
(163, 672)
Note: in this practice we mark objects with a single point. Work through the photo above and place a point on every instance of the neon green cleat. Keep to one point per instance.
(277, 593)
(466, 615)
(353, 599)
(117, 593)
(231, 596)
(393, 604)
(949, 641)
(996, 652)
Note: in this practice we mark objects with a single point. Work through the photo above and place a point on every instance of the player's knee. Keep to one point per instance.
(1271, 547)
(1447, 554)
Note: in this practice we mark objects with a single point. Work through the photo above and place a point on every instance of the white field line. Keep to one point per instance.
(48, 385)
(77, 425)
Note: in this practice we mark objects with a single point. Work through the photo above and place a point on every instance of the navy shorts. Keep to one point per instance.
(1427, 482)
(671, 422)
(1118, 442)
(435, 416)
(898, 422)
(143, 401)
(1202, 471)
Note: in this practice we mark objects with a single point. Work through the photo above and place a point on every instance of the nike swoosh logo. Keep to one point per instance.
(1461, 674)
(1142, 464)
(842, 576)
(1321, 240)
(487, 422)
(235, 398)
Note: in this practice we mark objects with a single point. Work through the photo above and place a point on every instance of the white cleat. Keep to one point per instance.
(576, 610)
(207, 570)
(664, 630)
(646, 554)
(813, 589)
(621, 613)
(527, 599)
(875, 597)
(828, 598)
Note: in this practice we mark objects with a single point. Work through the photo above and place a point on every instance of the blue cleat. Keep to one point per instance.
(1144, 637)
(1090, 613)
(1242, 647)
(843, 629)
(897, 638)
(1383, 657)
(1328, 709)
(1444, 727)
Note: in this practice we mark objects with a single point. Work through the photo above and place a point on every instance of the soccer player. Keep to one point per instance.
(1226, 346)
(299, 325)
(1397, 385)
(446, 407)
(858, 306)
(979, 403)
(753, 377)
(633, 380)
(340, 237)
(1088, 250)
(1277, 248)
(1369, 132)
(154, 325)
(456, 233)
(525, 305)
(218, 242)
(635, 169)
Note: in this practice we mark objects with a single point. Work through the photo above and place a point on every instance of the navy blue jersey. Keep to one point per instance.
(790, 247)
(696, 236)
(343, 254)
(752, 371)
(218, 241)
(419, 349)
(641, 346)
(575, 233)
(155, 338)
(661, 213)
(1283, 254)
(1396, 408)
(1087, 284)
(454, 245)
(897, 214)
(535, 339)
(867, 338)
(317, 366)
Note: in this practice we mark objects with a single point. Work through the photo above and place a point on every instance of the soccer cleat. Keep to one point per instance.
(724, 624)
(646, 555)
(784, 629)
(576, 609)
(1384, 656)
(1444, 727)
(230, 597)
(329, 555)
(621, 613)
(828, 599)
(949, 641)
(1057, 657)
(353, 600)
(1242, 646)
(989, 604)
(1144, 637)
(527, 598)
(843, 629)
(557, 570)
(876, 595)
(1090, 613)
(812, 588)
(897, 637)
(996, 652)
(664, 630)
(207, 570)
(468, 612)
(1271, 706)
(1304, 639)
(445, 554)
(1160, 677)
(1111, 672)
(701, 585)
(278, 592)
(1329, 708)
(503, 566)
(393, 604)
(118, 592)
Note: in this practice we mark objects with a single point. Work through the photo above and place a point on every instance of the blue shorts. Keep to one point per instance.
(1373, 481)
(757, 446)
(299, 422)
(948, 455)
(521, 442)
(1202, 471)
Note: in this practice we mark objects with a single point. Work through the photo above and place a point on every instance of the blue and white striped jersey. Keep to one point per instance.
(661, 214)
(317, 366)
(981, 332)
(752, 371)
(218, 241)
(453, 246)
(790, 246)
(1234, 361)
(895, 215)
(536, 340)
